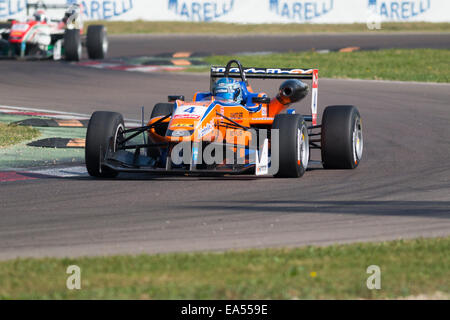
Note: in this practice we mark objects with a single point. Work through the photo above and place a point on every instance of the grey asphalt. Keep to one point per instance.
(225, 44)
(400, 190)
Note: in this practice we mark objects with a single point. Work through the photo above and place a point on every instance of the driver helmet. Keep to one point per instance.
(40, 16)
(227, 89)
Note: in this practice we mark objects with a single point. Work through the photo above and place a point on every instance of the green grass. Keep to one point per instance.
(413, 267)
(12, 134)
(127, 27)
(427, 65)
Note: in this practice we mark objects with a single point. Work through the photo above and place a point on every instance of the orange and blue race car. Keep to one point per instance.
(42, 37)
(229, 130)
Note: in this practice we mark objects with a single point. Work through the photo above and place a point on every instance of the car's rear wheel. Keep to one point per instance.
(72, 45)
(342, 138)
(97, 42)
(102, 126)
(162, 109)
(293, 145)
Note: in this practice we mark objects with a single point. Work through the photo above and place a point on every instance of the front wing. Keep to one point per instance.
(134, 162)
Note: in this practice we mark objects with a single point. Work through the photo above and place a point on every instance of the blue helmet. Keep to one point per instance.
(227, 89)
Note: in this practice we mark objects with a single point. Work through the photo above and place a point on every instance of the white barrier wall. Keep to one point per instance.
(252, 11)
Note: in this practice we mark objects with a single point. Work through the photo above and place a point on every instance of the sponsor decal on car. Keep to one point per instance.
(186, 116)
(315, 93)
(183, 125)
(265, 71)
(189, 112)
(264, 111)
(234, 133)
(262, 159)
(180, 133)
(263, 119)
(208, 128)
(237, 115)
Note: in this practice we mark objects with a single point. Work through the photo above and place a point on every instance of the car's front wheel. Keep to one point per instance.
(102, 127)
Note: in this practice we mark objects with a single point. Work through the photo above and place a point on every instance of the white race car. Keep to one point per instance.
(41, 37)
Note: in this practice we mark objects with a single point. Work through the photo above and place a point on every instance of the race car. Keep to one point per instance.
(40, 37)
(229, 130)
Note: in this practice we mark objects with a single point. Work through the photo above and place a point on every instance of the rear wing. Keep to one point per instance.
(273, 73)
(264, 73)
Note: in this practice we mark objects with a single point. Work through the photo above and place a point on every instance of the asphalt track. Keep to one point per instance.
(400, 190)
(226, 44)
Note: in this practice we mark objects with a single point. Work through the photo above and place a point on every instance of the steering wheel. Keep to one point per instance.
(241, 69)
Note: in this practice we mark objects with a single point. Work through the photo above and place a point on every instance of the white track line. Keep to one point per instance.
(392, 82)
(62, 114)
(44, 111)
(63, 172)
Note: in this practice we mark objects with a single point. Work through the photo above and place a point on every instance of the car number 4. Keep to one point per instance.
(189, 110)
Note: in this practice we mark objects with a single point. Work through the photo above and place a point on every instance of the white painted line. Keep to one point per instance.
(391, 81)
(102, 65)
(278, 35)
(44, 111)
(62, 114)
(44, 114)
(145, 69)
(65, 172)
(254, 53)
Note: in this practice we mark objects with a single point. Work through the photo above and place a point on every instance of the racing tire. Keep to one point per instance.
(72, 45)
(162, 109)
(159, 110)
(97, 42)
(102, 126)
(293, 145)
(342, 140)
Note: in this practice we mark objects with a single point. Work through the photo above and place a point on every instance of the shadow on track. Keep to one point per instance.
(429, 209)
